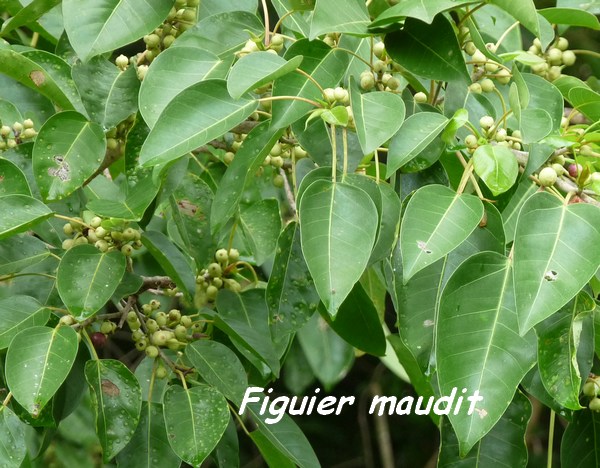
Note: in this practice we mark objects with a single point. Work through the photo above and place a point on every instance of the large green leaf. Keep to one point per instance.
(13, 448)
(117, 403)
(342, 16)
(194, 117)
(338, 225)
(109, 94)
(580, 445)
(28, 14)
(324, 64)
(295, 19)
(240, 172)
(436, 221)
(20, 213)
(67, 151)
(257, 69)
(95, 27)
(505, 443)
(555, 255)
(523, 11)
(510, 214)
(18, 252)
(212, 7)
(222, 33)
(424, 10)
(571, 17)
(172, 260)
(149, 446)
(377, 116)
(87, 278)
(428, 50)
(37, 363)
(418, 131)
(559, 338)
(196, 419)
(497, 166)
(389, 223)
(291, 294)
(261, 224)
(19, 313)
(586, 101)
(174, 70)
(43, 72)
(220, 367)
(12, 179)
(478, 346)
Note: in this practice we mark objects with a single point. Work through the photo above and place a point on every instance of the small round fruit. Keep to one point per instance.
(161, 319)
(503, 76)
(160, 338)
(218, 282)
(129, 234)
(555, 56)
(28, 133)
(479, 57)
(476, 88)
(98, 339)
(152, 326)
(106, 327)
(5, 130)
(211, 292)
(141, 344)
(68, 229)
(151, 351)
(547, 177)
(470, 48)
(501, 134)
(341, 95)
(155, 304)
(562, 43)
(487, 85)
(393, 83)
(95, 222)
(595, 404)
(558, 168)
(228, 157)
(277, 161)
(380, 66)
(420, 97)
(101, 232)
(147, 309)
(27, 123)
(222, 256)
(161, 372)
(574, 169)
(137, 335)
(329, 95)
(67, 244)
(590, 389)
(122, 62)
(67, 320)
(471, 141)
(181, 332)
(127, 250)
(214, 270)
(568, 58)
(379, 50)
(186, 321)
(554, 73)
(367, 82)
(278, 181)
(234, 255)
(487, 121)
(174, 315)
(173, 344)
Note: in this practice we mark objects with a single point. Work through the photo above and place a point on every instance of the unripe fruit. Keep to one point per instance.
(116, 235)
(173, 344)
(186, 321)
(211, 292)
(155, 304)
(221, 256)
(161, 319)
(475, 88)
(147, 309)
(393, 83)
(277, 40)
(129, 234)
(101, 232)
(487, 85)
(181, 332)
(28, 133)
(141, 344)
(11, 143)
(151, 351)
(137, 335)
(590, 389)
(487, 121)
(106, 327)
(5, 130)
(161, 337)
(555, 56)
(547, 177)
(122, 62)
(276, 150)
(329, 95)
(501, 134)
(95, 222)
(558, 168)
(379, 50)
(67, 244)
(380, 66)
(278, 181)
(503, 76)
(214, 270)
(491, 66)
(277, 161)
(152, 326)
(152, 41)
(575, 169)
(127, 250)
(470, 48)
(68, 229)
(420, 97)
(595, 404)
(174, 315)
(539, 68)
(218, 282)
(568, 58)
(67, 320)
(234, 255)
(141, 72)
(367, 82)
(80, 241)
(228, 157)
(112, 144)
(28, 123)
(471, 141)
(17, 127)
(189, 15)
(161, 372)
(479, 57)
(554, 73)
(341, 95)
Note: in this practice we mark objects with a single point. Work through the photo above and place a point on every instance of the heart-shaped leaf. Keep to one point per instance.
(37, 363)
(436, 221)
(555, 255)
(87, 278)
(497, 166)
(338, 225)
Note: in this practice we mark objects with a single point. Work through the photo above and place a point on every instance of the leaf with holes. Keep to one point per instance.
(196, 419)
(555, 255)
(37, 363)
(436, 221)
(67, 151)
(87, 278)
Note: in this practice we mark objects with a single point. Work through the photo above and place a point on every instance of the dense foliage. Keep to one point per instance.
(198, 197)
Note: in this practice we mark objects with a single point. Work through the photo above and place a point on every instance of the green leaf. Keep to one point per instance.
(174, 263)
(389, 223)
(240, 173)
(478, 346)
(436, 221)
(87, 278)
(196, 419)
(94, 28)
(458, 120)
(9, 114)
(130, 207)
(117, 403)
(559, 337)
(219, 367)
(194, 117)
(222, 33)
(585, 101)
(345, 16)
(428, 50)
(418, 131)
(338, 225)
(324, 64)
(257, 69)
(245, 319)
(524, 11)
(20, 213)
(261, 224)
(37, 363)
(109, 94)
(12, 179)
(43, 72)
(18, 252)
(67, 151)
(580, 445)
(511, 213)
(19, 313)
(357, 322)
(271, 454)
(505, 442)
(497, 166)
(550, 268)
(174, 70)
(422, 10)
(212, 7)
(295, 14)
(377, 116)
(291, 295)
(13, 449)
(149, 446)
(28, 15)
